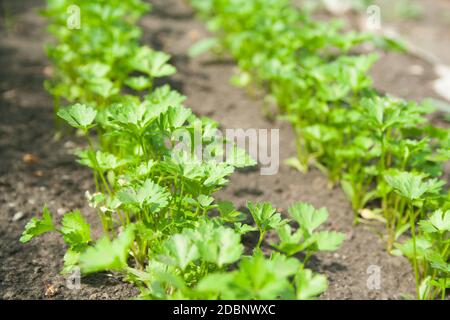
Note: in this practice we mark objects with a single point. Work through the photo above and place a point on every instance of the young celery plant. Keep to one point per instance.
(266, 218)
(306, 239)
(432, 254)
(414, 190)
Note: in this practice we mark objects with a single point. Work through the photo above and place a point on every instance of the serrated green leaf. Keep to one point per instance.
(107, 254)
(205, 201)
(238, 158)
(437, 261)
(138, 83)
(215, 283)
(307, 216)
(290, 242)
(36, 227)
(76, 231)
(440, 220)
(159, 65)
(309, 285)
(328, 240)
(79, 116)
(407, 184)
(407, 249)
(202, 46)
(257, 278)
(286, 266)
(243, 228)
(70, 260)
(180, 250)
(147, 194)
(217, 244)
(177, 116)
(266, 216)
(228, 213)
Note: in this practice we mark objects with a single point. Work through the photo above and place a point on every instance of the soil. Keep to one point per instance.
(26, 127)
(429, 30)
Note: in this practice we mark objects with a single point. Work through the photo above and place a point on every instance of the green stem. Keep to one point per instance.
(260, 240)
(100, 173)
(444, 288)
(104, 223)
(102, 177)
(413, 234)
(307, 256)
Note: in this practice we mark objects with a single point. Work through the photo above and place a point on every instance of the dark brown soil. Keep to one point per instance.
(26, 127)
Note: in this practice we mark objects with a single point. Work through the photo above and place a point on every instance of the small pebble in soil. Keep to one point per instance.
(416, 70)
(69, 145)
(50, 290)
(194, 35)
(9, 94)
(8, 295)
(38, 173)
(350, 235)
(17, 216)
(61, 211)
(47, 71)
(29, 158)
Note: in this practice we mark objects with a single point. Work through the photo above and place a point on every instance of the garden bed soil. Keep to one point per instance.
(51, 175)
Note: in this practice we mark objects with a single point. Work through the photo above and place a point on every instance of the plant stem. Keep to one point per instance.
(413, 234)
(260, 240)
(102, 177)
(444, 288)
